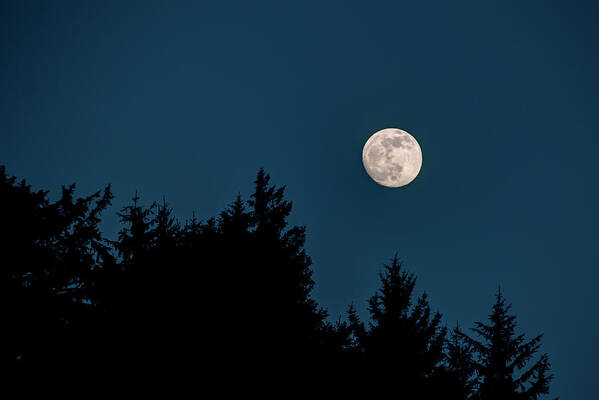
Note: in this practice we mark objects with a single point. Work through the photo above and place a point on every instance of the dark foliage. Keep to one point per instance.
(404, 345)
(501, 354)
(224, 300)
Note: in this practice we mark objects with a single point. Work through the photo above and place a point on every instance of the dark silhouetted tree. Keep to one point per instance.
(502, 357)
(458, 374)
(357, 334)
(166, 229)
(290, 324)
(135, 238)
(404, 345)
(235, 221)
(49, 251)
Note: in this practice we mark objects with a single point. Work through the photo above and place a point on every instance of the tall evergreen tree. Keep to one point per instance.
(503, 357)
(282, 276)
(48, 251)
(405, 340)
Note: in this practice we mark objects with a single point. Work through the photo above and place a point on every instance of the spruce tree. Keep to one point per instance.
(235, 220)
(166, 229)
(135, 238)
(351, 336)
(291, 322)
(357, 334)
(48, 251)
(458, 378)
(502, 358)
(269, 208)
(404, 344)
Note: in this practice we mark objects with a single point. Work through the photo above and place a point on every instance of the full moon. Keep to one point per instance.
(392, 157)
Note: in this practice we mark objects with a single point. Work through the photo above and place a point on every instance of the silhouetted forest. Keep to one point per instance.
(225, 297)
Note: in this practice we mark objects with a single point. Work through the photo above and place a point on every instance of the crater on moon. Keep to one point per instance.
(392, 157)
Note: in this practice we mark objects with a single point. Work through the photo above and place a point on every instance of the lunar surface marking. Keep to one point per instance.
(392, 157)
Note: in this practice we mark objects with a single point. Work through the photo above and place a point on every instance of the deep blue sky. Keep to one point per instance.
(189, 100)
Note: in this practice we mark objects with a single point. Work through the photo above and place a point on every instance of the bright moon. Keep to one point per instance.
(392, 157)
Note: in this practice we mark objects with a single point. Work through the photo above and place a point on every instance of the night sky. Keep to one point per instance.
(190, 100)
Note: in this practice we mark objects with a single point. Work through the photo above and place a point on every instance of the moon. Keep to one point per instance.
(392, 157)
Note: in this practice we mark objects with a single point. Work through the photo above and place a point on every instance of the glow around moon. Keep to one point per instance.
(392, 157)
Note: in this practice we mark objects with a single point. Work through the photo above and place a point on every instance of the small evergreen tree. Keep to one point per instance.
(357, 334)
(502, 355)
(135, 238)
(458, 378)
(166, 229)
(269, 209)
(235, 220)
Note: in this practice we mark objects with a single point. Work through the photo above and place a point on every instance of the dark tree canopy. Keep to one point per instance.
(405, 341)
(223, 300)
(457, 375)
(502, 358)
(50, 251)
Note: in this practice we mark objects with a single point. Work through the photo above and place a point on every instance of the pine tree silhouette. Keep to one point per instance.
(291, 323)
(405, 341)
(501, 354)
(235, 221)
(166, 229)
(357, 334)
(48, 253)
(458, 376)
(135, 238)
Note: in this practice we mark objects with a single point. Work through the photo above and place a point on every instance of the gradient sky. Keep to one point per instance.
(189, 100)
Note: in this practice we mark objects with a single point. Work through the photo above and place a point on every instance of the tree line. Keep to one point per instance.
(230, 295)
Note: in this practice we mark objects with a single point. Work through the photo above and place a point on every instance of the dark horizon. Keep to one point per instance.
(229, 297)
